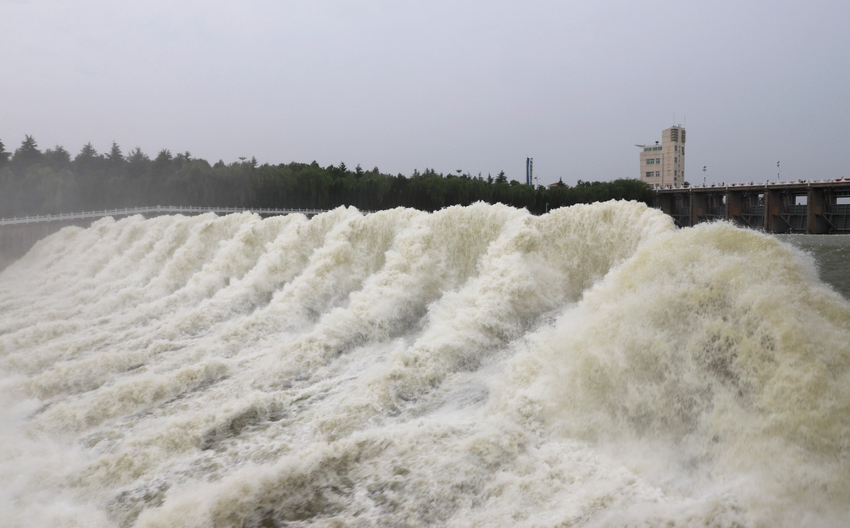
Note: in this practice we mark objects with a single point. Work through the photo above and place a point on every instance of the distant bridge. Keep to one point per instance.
(802, 206)
(153, 210)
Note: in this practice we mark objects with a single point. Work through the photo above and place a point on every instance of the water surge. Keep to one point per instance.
(477, 366)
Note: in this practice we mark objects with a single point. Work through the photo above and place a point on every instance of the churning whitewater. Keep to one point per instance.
(477, 366)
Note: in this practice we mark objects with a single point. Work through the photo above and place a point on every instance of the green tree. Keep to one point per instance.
(501, 178)
(115, 156)
(181, 159)
(26, 155)
(4, 156)
(58, 158)
(163, 158)
(87, 160)
(163, 164)
(138, 163)
(49, 190)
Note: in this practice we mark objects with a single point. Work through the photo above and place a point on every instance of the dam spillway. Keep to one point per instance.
(476, 366)
(19, 234)
(810, 207)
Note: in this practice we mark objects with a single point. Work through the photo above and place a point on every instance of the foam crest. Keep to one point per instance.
(732, 368)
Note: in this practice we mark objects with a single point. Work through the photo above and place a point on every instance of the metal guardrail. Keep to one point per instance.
(159, 209)
(842, 182)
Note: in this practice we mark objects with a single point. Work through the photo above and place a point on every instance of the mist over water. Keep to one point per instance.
(477, 366)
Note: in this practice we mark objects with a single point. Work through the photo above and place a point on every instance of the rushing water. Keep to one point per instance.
(832, 255)
(477, 366)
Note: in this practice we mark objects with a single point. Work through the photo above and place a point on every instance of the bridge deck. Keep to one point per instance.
(802, 206)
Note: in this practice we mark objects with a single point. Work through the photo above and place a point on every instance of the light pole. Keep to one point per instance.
(777, 171)
(704, 167)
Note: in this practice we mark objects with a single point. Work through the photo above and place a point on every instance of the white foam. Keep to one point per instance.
(478, 366)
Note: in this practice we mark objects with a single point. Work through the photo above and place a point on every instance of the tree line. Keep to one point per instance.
(33, 181)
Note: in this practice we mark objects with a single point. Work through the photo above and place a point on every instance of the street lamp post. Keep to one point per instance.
(704, 167)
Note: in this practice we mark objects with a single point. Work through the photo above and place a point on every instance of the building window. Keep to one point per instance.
(650, 161)
(657, 160)
(649, 174)
(647, 149)
(657, 173)
(675, 160)
(676, 148)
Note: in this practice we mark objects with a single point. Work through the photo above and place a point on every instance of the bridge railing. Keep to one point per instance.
(768, 183)
(160, 209)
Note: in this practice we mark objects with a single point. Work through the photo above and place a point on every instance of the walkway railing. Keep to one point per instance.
(157, 209)
(841, 182)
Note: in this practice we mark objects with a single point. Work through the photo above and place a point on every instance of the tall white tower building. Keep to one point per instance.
(663, 165)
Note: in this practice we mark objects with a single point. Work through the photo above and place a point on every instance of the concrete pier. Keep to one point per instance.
(811, 206)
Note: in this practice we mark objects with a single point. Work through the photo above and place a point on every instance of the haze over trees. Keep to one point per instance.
(35, 181)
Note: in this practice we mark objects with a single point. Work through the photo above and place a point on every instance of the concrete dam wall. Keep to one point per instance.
(18, 235)
(16, 240)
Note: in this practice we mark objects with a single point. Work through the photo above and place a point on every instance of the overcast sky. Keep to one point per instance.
(472, 85)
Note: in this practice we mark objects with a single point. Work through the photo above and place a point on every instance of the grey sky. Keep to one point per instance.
(475, 85)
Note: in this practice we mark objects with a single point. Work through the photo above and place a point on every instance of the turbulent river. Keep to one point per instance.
(477, 366)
